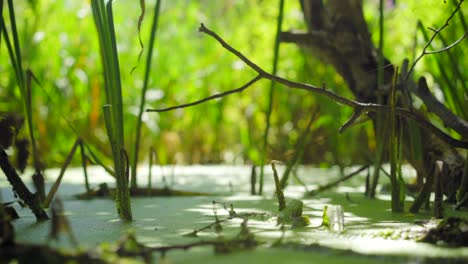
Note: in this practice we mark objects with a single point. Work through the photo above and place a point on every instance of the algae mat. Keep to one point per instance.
(372, 234)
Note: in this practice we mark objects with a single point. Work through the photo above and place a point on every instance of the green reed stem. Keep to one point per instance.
(57, 182)
(152, 157)
(271, 94)
(113, 110)
(84, 160)
(279, 191)
(450, 93)
(139, 122)
(299, 148)
(24, 80)
(397, 205)
(380, 118)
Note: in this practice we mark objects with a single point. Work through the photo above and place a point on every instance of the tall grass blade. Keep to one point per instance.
(1, 20)
(84, 161)
(271, 94)
(113, 110)
(450, 94)
(454, 64)
(136, 145)
(140, 21)
(17, 51)
(24, 80)
(397, 205)
(379, 123)
(301, 143)
(98, 161)
(57, 182)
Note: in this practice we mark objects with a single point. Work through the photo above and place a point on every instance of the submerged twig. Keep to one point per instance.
(152, 156)
(60, 224)
(232, 215)
(220, 246)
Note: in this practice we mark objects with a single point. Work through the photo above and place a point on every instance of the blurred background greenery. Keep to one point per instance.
(60, 46)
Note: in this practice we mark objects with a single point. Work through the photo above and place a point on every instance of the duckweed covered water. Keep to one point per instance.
(372, 233)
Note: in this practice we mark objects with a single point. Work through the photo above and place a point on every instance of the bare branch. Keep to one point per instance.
(357, 113)
(449, 46)
(436, 32)
(216, 96)
(223, 43)
(364, 107)
(448, 117)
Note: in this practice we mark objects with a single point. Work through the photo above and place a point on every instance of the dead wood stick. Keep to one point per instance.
(358, 107)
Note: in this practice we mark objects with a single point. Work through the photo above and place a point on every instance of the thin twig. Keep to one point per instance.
(364, 107)
(230, 217)
(57, 182)
(449, 46)
(219, 95)
(436, 32)
(357, 113)
(164, 249)
(335, 183)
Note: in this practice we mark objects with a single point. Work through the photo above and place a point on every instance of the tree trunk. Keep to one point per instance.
(338, 35)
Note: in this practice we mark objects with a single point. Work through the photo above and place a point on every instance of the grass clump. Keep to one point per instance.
(113, 109)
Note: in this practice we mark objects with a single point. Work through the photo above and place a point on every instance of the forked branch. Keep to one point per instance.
(436, 32)
(357, 106)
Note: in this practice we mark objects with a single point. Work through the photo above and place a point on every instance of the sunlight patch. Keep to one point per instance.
(103, 213)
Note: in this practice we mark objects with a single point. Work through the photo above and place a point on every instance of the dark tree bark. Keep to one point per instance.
(338, 35)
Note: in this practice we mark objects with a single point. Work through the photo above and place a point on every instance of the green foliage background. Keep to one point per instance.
(59, 45)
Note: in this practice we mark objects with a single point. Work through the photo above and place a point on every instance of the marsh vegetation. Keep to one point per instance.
(255, 129)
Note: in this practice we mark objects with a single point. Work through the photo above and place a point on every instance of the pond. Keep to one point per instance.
(371, 231)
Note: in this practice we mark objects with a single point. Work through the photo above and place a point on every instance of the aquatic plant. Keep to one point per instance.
(113, 110)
